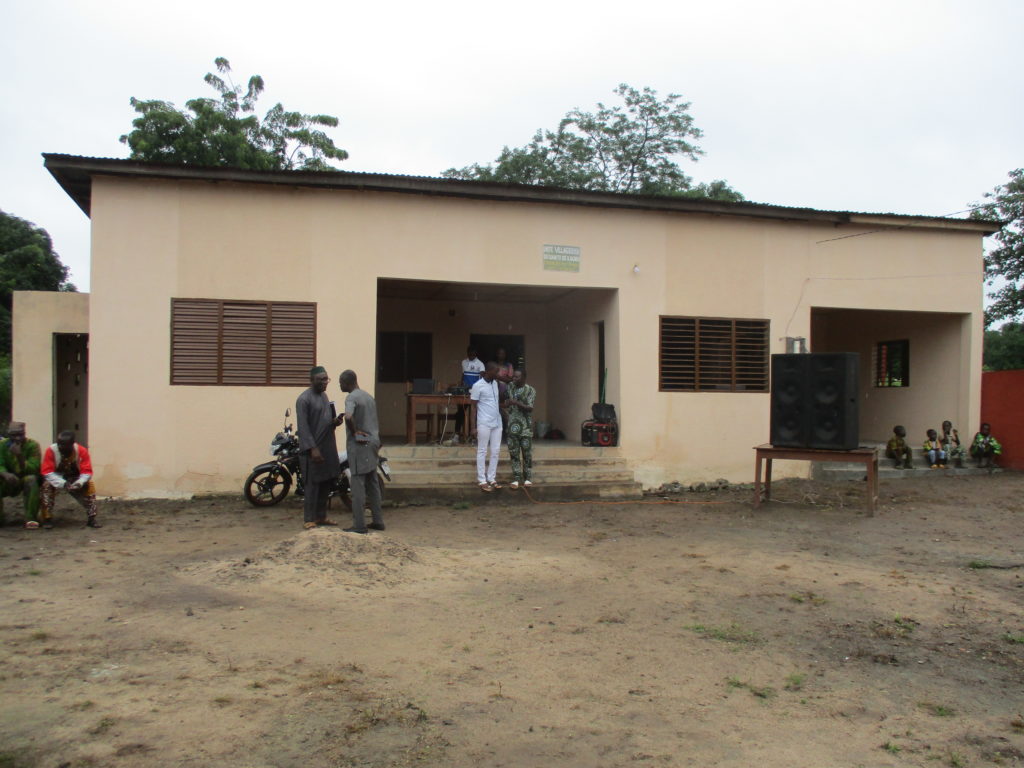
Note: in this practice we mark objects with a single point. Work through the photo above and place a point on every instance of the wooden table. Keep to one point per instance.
(412, 400)
(866, 456)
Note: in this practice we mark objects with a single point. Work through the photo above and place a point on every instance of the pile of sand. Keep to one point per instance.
(324, 556)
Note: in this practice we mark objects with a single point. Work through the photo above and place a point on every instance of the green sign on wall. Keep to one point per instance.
(562, 258)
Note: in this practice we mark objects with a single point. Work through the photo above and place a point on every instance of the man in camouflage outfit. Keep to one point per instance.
(519, 404)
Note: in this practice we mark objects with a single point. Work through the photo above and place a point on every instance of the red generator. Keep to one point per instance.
(600, 433)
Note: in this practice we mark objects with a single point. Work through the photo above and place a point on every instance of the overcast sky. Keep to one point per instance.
(900, 106)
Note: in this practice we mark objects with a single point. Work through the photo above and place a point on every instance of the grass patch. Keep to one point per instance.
(795, 681)
(937, 709)
(730, 634)
(39, 636)
(462, 505)
(762, 692)
(1014, 639)
(807, 597)
(892, 749)
(901, 626)
(35, 572)
(979, 564)
(104, 725)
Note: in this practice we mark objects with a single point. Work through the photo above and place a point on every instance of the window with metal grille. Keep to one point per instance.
(242, 343)
(892, 363)
(708, 354)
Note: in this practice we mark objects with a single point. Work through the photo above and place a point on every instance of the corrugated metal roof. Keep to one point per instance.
(74, 173)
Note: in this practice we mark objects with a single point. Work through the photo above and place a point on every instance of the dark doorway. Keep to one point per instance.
(601, 383)
(487, 347)
(71, 385)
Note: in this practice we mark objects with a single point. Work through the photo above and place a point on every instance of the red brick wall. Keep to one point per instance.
(1002, 406)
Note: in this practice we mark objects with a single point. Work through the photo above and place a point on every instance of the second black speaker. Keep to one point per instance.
(814, 401)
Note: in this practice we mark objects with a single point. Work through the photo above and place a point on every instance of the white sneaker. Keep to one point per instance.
(527, 482)
(514, 485)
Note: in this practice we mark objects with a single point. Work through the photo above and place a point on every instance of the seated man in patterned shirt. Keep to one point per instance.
(67, 466)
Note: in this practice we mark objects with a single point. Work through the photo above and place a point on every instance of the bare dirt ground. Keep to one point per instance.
(207, 633)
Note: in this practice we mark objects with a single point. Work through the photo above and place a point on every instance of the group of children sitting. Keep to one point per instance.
(939, 450)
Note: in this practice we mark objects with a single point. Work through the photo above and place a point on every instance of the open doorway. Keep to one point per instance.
(487, 345)
(551, 328)
(71, 384)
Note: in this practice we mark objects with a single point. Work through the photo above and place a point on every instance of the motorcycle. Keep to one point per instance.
(268, 483)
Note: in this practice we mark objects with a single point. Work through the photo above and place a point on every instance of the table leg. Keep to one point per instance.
(410, 421)
(768, 479)
(872, 485)
(757, 478)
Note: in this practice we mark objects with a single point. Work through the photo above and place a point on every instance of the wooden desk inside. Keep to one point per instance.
(412, 400)
(866, 456)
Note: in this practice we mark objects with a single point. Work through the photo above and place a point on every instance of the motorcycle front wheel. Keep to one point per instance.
(267, 487)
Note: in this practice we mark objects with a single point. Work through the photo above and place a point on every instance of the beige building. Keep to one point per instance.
(214, 290)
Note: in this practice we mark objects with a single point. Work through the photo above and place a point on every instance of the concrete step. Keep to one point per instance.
(468, 476)
(821, 470)
(446, 493)
(542, 449)
(561, 471)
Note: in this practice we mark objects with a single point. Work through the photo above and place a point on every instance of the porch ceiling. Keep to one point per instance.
(430, 290)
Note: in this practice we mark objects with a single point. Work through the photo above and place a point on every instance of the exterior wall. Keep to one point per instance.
(153, 240)
(36, 317)
(1000, 407)
(936, 383)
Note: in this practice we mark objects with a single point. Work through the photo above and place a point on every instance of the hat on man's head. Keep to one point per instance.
(16, 426)
(315, 370)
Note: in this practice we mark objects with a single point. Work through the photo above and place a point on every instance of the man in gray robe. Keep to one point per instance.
(363, 446)
(318, 457)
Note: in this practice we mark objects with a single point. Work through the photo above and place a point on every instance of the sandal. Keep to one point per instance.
(31, 525)
(496, 485)
(485, 487)
(308, 526)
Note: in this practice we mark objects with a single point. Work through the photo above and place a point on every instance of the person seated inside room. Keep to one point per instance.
(934, 451)
(951, 443)
(898, 450)
(985, 448)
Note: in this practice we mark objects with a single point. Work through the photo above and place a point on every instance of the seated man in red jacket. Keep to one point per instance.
(66, 466)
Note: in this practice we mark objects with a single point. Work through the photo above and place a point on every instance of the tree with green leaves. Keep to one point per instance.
(226, 131)
(1004, 348)
(1004, 264)
(632, 147)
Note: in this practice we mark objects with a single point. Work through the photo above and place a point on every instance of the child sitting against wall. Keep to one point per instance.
(898, 449)
(934, 451)
(951, 443)
(985, 447)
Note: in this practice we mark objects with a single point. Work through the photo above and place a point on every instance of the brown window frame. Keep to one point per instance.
(731, 361)
(203, 329)
(886, 353)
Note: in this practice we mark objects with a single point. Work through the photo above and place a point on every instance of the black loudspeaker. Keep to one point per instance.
(814, 401)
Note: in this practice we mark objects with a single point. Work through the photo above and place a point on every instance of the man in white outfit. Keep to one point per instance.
(488, 427)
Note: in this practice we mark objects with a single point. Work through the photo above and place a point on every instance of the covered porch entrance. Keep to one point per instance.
(563, 335)
(914, 367)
